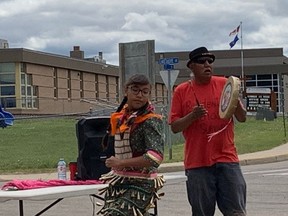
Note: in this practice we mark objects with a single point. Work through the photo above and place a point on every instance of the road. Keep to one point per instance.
(267, 194)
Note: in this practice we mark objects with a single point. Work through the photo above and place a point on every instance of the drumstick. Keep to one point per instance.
(197, 101)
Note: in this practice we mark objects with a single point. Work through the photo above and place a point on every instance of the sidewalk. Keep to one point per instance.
(279, 153)
(276, 154)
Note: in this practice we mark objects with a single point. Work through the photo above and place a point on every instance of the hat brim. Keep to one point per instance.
(201, 55)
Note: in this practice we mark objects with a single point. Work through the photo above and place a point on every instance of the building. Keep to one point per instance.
(262, 68)
(36, 83)
(39, 83)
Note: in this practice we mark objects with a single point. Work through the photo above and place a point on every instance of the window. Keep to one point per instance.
(29, 79)
(275, 82)
(7, 68)
(7, 78)
(250, 77)
(7, 84)
(265, 83)
(69, 84)
(23, 102)
(28, 92)
(55, 82)
(23, 67)
(96, 86)
(264, 77)
(35, 90)
(29, 102)
(250, 83)
(23, 90)
(8, 102)
(23, 79)
(81, 85)
(275, 89)
(7, 90)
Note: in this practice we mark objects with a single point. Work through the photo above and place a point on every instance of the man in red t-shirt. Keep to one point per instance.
(211, 165)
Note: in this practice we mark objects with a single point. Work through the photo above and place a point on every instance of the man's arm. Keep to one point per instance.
(240, 112)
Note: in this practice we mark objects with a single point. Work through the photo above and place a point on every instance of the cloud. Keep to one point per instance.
(149, 21)
(56, 26)
(17, 8)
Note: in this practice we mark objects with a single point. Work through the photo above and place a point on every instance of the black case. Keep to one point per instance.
(90, 132)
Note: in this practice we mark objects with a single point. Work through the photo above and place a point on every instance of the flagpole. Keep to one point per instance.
(242, 65)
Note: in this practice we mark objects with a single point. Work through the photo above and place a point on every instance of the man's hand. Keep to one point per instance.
(198, 112)
(240, 112)
(182, 123)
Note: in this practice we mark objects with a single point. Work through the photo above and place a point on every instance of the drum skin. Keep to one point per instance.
(229, 97)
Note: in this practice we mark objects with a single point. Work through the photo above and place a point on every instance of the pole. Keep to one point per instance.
(242, 65)
(168, 111)
(282, 102)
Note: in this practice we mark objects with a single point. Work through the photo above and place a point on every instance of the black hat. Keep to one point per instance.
(199, 52)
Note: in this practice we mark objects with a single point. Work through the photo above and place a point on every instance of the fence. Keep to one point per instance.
(52, 108)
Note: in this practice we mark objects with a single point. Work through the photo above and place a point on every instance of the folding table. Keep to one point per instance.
(56, 193)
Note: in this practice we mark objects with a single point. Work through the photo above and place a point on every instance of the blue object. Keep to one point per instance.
(232, 43)
(170, 61)
(168, 67)
(6, 118)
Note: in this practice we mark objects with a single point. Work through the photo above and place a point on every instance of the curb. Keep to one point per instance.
(164, 168)
(178, 166)
(171, 167)
(271, 159)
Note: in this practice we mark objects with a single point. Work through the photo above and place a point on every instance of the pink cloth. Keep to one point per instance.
(32, 184)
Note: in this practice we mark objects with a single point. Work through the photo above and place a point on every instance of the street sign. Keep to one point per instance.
(165, 77)
(169, 61)
(168, 67)
(258, 90)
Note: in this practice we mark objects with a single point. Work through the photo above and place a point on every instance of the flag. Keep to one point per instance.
(232, 43)
(235, 31)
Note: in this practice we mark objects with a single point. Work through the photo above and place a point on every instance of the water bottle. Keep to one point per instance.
(61, 168)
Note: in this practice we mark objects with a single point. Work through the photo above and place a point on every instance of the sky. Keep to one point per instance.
(55, 26)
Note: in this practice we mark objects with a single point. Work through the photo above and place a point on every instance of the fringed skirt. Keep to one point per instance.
(129, 195)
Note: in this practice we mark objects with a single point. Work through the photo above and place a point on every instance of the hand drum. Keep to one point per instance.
(229, 97)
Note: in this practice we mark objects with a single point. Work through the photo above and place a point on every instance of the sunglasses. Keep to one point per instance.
(203, 60)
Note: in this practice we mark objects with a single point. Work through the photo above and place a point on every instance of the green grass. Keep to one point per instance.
(256, 135)
(36, 145)
(251, 136)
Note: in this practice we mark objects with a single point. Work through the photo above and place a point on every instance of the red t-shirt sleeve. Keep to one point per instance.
(176, 111)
